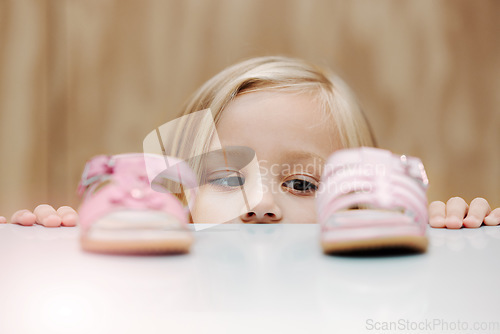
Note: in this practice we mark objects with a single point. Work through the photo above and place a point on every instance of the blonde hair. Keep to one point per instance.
(272, 73)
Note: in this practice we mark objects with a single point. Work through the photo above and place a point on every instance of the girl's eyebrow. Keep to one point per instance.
(234, 156)
(301, 156)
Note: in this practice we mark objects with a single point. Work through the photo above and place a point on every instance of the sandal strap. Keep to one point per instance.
(101, 167)
(376, 178)
(95, 170)
(134, 177)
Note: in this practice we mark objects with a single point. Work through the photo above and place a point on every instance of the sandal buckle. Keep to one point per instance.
(415, 169)
(86, 181)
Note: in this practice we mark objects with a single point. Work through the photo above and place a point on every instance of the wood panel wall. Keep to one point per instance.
(84, 77)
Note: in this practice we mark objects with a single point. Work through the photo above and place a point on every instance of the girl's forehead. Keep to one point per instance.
(274, 104)
(275, 122)
(266, 111)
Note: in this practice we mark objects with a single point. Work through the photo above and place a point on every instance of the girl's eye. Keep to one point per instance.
(226, 180)
(300, 186)
(232, 181)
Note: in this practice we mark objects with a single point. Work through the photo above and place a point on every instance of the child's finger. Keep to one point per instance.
(479, 208)
(456, 209)
(23, 217)
(68, 216)
(3, 220)
(47, 216)
(437, 214)
(493, 219)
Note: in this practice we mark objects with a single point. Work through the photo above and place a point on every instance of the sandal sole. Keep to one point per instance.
(415, 243)
(138, 247)
(137, 232)
(368, 229)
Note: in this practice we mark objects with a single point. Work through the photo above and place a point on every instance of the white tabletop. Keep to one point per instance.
(248, 279)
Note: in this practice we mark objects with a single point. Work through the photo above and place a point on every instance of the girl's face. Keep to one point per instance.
(288, 140)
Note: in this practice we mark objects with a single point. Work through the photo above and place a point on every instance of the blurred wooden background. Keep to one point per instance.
(84, 77)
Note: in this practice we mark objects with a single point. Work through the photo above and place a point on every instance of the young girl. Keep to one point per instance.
(292, 116)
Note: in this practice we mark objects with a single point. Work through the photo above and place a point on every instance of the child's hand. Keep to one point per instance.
(456, 213)
(47, 216)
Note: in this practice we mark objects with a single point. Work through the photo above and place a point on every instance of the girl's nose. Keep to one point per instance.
(266, 212)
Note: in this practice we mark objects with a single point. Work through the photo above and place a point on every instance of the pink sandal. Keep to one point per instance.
(370, 198)
(121, 213)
